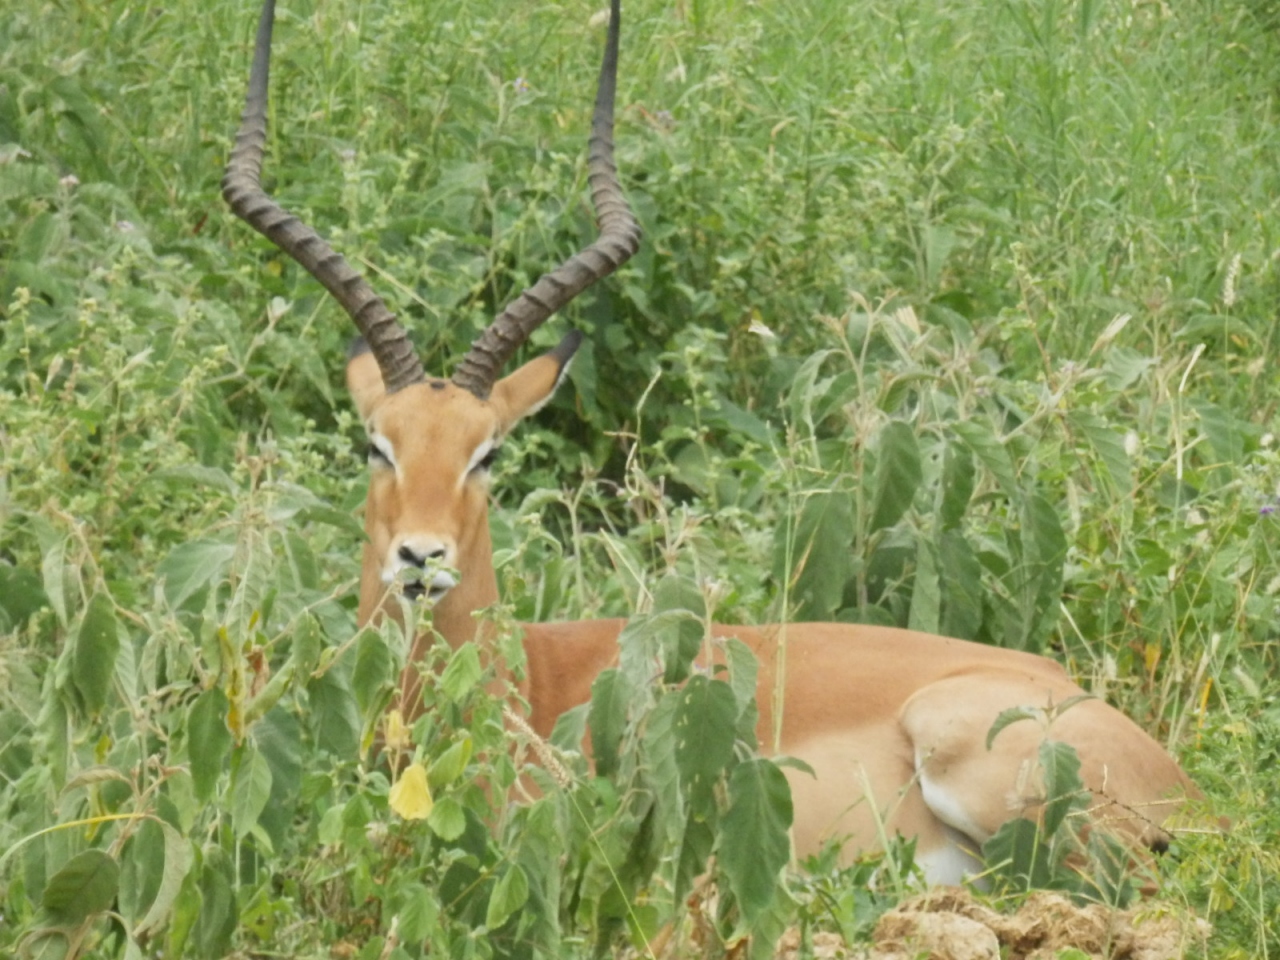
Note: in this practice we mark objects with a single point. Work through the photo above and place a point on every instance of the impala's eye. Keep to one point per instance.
(380, 454)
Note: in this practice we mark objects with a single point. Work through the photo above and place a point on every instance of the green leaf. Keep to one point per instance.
(509, 894)
(607, 719)
(1018, 854)
(705, 717)
(419, 912)
(956, 488)
(755, 838)
(961, 577)
(372, 670)
(978, 437)
(94, 657)
(1063, 787)
(216, 921)
(449, 766)
(815, 553)
(461, 673)
(743, 671)
(926, 593)
(191, 566)
(208, 741)
(897, 476)
(447, 820)
(250, 789)
(1009, 716)
(178, 858)
(53, 569)
(86, 884)
(334, 716)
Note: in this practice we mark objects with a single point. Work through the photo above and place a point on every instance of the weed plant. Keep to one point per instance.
(952, 316)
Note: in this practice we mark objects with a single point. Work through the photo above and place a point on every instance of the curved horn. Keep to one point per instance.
(242, 189)
(618, 240)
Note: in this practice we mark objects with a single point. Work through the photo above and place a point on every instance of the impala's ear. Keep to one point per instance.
(364, 379)
(528, 388)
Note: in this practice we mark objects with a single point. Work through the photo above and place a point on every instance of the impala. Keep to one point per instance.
(892, 722)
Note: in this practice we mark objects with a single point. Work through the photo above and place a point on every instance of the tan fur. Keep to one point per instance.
(893, 722)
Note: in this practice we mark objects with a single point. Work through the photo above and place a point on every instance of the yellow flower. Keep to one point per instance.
(410, 796)
(394, 732)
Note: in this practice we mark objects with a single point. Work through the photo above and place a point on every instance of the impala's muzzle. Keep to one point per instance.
(423, 567)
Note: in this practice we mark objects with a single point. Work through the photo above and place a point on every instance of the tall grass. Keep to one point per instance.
(874, 232)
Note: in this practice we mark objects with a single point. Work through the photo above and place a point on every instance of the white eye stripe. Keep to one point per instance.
(380, 449)
(485, 451)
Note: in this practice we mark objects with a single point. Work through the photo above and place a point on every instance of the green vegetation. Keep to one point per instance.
(949, 315)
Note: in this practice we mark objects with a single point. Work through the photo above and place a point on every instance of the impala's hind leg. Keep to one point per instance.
(1136, 785)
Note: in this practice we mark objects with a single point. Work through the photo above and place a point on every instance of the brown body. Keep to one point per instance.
(893, 723)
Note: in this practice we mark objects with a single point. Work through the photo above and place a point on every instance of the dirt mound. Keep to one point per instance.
(947, 924)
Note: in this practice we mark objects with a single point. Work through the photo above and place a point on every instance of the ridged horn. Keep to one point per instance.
(242, 189)
(617, 242)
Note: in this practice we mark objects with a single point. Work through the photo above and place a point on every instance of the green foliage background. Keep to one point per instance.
(949, 315)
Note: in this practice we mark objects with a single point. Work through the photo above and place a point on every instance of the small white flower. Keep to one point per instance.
(124, 226)
(762, 331)
(520, 85)
(1132, 443)
(69, 181)
(599, 18)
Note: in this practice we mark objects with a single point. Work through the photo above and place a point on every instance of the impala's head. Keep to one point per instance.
(431, 445)
(431, 440)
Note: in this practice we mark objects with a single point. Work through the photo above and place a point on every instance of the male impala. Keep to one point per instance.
(893, 722)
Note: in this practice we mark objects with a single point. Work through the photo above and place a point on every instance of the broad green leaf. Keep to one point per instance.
(419, 911)
(984, 445)
(53, 569)
(446, 820)
(334, 716)
(509, 895)
(208, 741)
(683, 637)
(926, 592)
(961, 577)
(607, 719)
(1108, 445)
(461, 673)
(216, 921)
(1044, 547)
(956, 487)
(449, 766)
(372, 670)
(1018, 854)
(1009, 716)
(1063, 787)
(705, 718)
(814, 551)
(191, 566)
(897, 475)
(755, 838)
(188, 474)
(250, 789)
(94, 657)
(141, 870)
(178, 858)
(743, 672)
(87, 884)
(308, 639)
(278, 737)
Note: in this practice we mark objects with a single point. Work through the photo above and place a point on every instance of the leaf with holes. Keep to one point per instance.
(704, 728)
